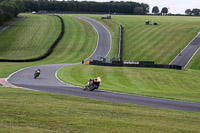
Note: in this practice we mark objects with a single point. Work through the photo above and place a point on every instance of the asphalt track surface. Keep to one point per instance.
(48, 81)
(184, 57)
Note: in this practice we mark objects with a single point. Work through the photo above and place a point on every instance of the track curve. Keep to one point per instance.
(49, 83)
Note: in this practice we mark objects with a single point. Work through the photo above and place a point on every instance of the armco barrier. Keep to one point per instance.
(146, 64)
(50, 50)
(138, 62)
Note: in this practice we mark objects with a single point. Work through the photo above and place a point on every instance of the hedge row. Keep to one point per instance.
(50, 50)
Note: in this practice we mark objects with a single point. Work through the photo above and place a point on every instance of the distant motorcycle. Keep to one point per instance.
(37, 73)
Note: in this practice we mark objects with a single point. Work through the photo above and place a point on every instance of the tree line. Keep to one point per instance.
(10, 9)
(164, 11)
(194, 12)
(87, 6)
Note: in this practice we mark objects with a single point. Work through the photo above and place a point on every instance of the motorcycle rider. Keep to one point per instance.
(96, 81)
(37, 73)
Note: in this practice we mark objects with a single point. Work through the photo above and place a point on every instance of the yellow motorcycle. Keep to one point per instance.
(92, 85)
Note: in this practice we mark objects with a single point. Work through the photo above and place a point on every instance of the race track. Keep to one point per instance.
(48, 81)
(183, 58)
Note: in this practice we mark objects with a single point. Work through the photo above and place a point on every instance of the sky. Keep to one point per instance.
(175, 6)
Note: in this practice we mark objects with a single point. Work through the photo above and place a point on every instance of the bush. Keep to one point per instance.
(2, 16)
(10, 9)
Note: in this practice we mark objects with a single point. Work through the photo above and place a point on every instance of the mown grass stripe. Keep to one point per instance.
(147, 45)
(23, 52)
(148, 82)
(27, 112)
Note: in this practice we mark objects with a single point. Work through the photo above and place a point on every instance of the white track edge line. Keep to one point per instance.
(56, 74)
(192, 57)
(98, 35)
(17, 72)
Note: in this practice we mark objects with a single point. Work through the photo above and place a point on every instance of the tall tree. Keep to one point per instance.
(2, 17)
(155, 10)
(10, 9)
(146, 7)
(164, 11)
(196, 12)
(139, 11)
(188, 12)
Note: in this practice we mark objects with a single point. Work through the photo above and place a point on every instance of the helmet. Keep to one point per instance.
(99, 79)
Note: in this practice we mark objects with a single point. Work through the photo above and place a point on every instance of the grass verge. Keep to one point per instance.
(164, 83)
(30, 111)
(194, 63)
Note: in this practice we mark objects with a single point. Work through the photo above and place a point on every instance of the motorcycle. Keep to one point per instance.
(92, 85)
(37, 73)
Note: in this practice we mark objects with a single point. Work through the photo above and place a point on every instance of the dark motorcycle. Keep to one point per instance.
(92, 85)
(37, 73)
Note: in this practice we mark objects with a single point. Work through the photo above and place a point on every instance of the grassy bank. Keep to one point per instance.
(75, 46)
(195, 63)
(160, 43)
(29, 38)
(30, 111)
(164, 83)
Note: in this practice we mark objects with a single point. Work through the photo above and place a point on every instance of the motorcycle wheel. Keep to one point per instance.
(93, 87)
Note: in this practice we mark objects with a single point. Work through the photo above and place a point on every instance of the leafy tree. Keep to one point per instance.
(139, 11)
(84, 6)
(20, 5)
(188, 12)
(146, 7)
(2, 17)
(10, 9)
(155, 10)
(164, 11)
(196, 12)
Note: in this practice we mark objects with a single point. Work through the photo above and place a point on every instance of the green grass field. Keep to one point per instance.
(182, 85)
(75, 46)
(159, 43)
(30, 111)
(194, 63)
(29, 38)
(9, 22)
(164, 83)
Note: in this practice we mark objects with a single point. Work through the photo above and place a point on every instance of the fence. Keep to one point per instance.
(148, 64)
(120, 43)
